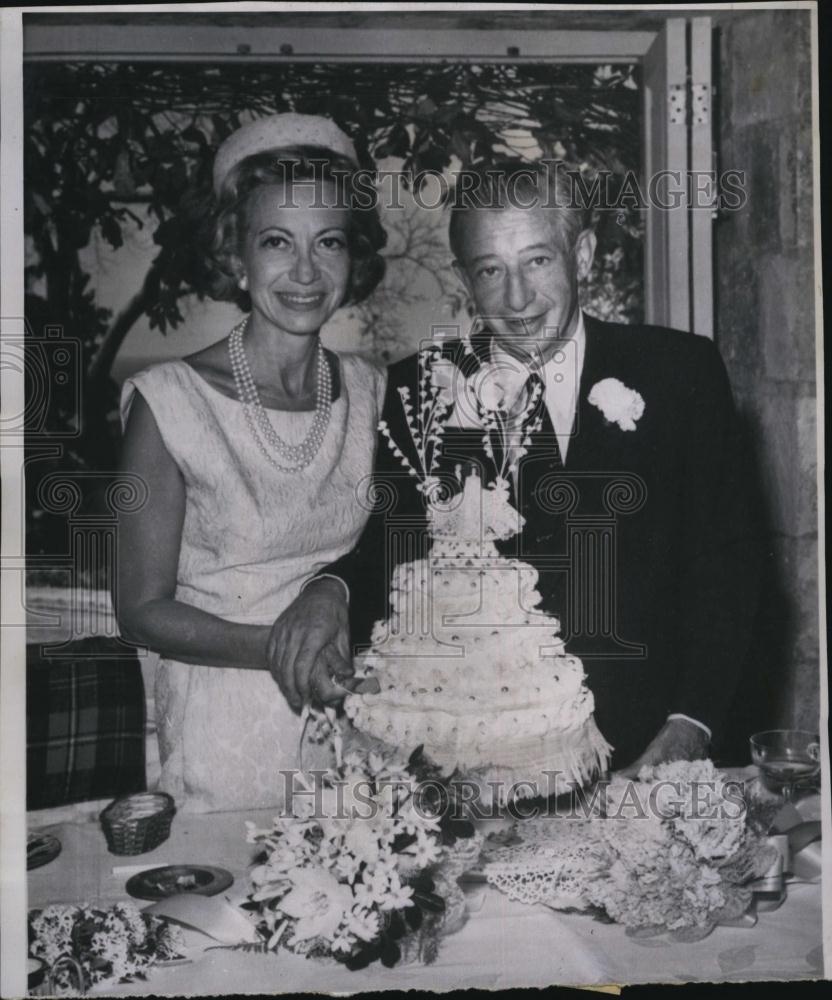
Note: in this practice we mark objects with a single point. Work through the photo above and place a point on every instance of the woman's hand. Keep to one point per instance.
(308, 652)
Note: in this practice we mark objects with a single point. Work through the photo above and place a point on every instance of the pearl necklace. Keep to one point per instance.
(295, 457)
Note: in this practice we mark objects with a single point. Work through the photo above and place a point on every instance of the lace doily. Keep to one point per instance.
(547, 860)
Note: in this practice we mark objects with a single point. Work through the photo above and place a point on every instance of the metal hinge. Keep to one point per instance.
(701, 104)
(677, 104)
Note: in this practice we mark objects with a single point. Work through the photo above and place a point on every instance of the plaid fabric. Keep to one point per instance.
(85, 720)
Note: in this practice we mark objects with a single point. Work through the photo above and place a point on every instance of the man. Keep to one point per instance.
(632, 489)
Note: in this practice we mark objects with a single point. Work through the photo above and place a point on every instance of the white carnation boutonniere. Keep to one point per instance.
(619, 404)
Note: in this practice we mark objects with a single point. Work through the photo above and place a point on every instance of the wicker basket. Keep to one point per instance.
(138, 823)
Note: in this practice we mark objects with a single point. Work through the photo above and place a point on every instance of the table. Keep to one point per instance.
(503, 944)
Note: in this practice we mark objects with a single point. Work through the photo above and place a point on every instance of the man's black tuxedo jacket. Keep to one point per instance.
(645, 539)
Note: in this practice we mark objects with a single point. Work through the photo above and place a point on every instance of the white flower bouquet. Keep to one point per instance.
(354, 871)
(114, 945)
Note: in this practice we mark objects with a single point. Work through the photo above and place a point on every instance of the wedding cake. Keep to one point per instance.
(468, 668)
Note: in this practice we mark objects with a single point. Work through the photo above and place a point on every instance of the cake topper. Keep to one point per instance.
(482, 512)
(477, 514)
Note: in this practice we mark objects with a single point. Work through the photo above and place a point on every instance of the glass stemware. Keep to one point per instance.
(786, 757)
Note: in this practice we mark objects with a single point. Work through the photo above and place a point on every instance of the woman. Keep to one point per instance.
(253, 451)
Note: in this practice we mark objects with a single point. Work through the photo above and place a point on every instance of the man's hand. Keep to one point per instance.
(308, 652)
(678, 739)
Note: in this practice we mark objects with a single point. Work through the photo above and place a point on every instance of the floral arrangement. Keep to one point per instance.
(118, 944)
(365, 866)
(450, 400)
(682, 859)
(673, 852)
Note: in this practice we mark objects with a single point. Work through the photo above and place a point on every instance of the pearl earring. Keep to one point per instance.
(243, 283)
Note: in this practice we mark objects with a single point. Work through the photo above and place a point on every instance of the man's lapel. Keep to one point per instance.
(589, 447)
(590, 441)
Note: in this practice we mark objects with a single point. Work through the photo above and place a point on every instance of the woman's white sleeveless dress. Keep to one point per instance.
(251, 536)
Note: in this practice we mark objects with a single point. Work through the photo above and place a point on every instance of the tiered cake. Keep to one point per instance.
(469, 669)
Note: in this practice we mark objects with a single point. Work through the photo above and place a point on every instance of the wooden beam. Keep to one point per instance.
(160, 42)
(701, 163)
(665, 180)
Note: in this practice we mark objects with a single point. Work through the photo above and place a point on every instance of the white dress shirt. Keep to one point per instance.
(561, 381)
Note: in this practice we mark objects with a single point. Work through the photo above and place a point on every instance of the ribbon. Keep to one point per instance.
(798, 858)
(805, 850)
(213, 916)
(316, 717)
(770, 889)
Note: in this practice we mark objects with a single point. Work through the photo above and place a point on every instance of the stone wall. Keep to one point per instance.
(766, 333)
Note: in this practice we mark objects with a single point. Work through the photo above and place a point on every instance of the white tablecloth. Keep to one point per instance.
(503, 944)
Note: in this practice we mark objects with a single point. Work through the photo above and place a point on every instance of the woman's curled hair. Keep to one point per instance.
(224, 227)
